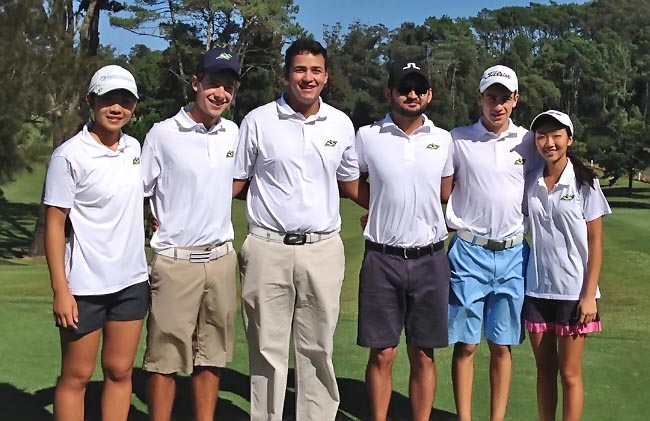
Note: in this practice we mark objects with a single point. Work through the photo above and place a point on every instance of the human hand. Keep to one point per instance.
(587, 310)
(65, 310)
(363, 221)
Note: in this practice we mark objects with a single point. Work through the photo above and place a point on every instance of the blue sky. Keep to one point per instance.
(314, 14)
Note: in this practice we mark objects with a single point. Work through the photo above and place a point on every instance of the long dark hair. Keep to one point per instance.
(584, 175)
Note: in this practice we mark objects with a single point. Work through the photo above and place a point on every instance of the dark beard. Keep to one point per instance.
(407, 113)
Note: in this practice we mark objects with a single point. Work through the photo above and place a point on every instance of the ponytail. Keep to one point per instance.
(584, 176)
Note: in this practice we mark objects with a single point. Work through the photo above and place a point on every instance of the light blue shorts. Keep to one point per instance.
(487, 290)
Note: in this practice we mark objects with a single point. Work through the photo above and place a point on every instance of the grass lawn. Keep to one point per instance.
(617, 376)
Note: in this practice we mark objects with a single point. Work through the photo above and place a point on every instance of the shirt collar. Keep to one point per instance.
(285, 111)
(566, 178)
(97, 149)
(186, 123)
(511, 131)
(387, 123)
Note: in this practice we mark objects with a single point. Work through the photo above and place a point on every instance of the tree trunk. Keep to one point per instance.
(630, 179)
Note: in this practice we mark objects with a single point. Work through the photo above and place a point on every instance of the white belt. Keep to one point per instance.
(488, 243)
(197, 256)
(290, 238)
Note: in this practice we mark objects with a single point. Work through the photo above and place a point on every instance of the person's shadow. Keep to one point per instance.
(17, 404)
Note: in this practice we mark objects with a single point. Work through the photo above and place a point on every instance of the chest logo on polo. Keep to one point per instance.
(433, 146)
(331, 143)
(520, 161)
(136, 161)
(567, 197)
(230, 154)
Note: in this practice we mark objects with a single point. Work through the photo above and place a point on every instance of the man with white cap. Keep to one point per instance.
(488, 253)
(188, 165)
(404, 279)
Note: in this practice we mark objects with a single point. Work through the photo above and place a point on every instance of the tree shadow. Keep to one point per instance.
(15, 232)
(18, 404)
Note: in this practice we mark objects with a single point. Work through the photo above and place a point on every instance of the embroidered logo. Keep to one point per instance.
(520, 161)
(230, 154)
(224, 56)
(331, 143)
(136, 161)
(567, 197)
(432, 146)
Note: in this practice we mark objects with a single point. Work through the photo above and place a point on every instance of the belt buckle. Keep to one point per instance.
(295, 239)
(405, 252)
(495, 245)
(200, 256)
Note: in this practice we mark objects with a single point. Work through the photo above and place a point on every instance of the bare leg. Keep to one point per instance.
(422, 382)
(500, 373)
(205, 387)
(379, 379)
(161, 389)
(462, 374)
(570, 352)
(545, 351)
(118, 353)
(78, 357)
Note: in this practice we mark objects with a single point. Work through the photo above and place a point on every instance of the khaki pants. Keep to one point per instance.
(291, 289)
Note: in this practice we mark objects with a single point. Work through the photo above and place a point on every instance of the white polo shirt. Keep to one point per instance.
(294, 163)
(103, 191)
(188, 170)
(489, 180)
(405, 172)
(558, 221)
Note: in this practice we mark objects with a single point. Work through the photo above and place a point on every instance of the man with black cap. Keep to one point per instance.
(404, 279)
(187, 164)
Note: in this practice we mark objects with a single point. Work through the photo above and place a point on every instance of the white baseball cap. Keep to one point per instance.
(110, 78)
(499, 74)
(558, 116)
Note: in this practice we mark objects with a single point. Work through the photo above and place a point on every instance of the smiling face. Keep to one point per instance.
(410, 97)
(113, 110)
(306, 77)
(552, 140)
(214, 94)
(497, 103)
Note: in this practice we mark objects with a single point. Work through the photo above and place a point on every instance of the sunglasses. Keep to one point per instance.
(418, 87)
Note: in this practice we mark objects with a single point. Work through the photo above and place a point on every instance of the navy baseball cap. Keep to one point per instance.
(400, 69)
(217, 60)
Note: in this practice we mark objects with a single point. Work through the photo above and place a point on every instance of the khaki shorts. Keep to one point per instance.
(192, 318)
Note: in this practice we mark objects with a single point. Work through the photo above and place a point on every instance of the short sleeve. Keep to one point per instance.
(246, 154)
(60, 185)
(361, 152)
(349, 168)
(448, 169)
(149, 166)
(594, 203)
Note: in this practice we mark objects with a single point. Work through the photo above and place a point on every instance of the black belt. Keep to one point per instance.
(407, 253)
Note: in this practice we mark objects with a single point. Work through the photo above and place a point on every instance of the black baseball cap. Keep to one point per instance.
(217, 60)
(402, 68)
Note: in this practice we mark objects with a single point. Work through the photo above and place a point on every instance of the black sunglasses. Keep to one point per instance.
(419, 88)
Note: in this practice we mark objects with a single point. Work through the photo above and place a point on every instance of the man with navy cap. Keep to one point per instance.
(187, 164)
(404, 279)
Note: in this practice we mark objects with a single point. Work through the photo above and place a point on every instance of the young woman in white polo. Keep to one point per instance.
(565, 207)
(98, 267)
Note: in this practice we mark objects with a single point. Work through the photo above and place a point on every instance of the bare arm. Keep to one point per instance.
(587, 305)
(240, 188)
(446, 186)
(356, 190)
(65, 306)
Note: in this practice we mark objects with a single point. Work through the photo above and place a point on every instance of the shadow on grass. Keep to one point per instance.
(16, 226)
(18, 404)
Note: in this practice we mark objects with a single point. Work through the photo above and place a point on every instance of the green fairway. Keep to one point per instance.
(616, 373)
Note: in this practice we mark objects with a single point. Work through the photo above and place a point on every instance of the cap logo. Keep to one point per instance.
(224, 56)
(496, 73)
(411, 66)
(106, 77)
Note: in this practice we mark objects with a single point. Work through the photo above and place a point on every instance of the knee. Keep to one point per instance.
(499, 351)
(117, 372)
(464, 350)
(420, 357)
(571, 377)
(382, 358)
(76, 378)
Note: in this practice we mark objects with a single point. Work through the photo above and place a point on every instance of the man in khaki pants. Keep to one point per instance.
(187, 164)
(297, 151)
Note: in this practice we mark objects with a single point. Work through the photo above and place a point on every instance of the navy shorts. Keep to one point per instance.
(559, 316)
(130, 303)
(397, 293)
